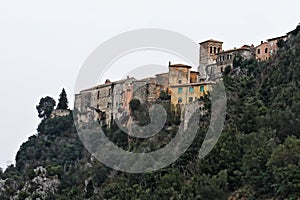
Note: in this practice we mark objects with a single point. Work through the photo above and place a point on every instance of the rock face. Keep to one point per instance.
(2, 185)
(40, 187)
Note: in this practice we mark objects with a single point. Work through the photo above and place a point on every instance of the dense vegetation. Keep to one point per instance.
(256, 157)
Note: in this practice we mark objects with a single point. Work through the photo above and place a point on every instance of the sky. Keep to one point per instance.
(43, 44)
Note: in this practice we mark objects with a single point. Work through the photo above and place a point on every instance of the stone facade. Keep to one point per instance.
(110, 101)
(262, 51)
(273, 44)
(106, 101)
(145, 90)
(266, 49)
(187, 93)
(162, 81)
(179, 74)
(194, 76)
(208, 55)
(184, 85)
(225, 58)
(59, 113)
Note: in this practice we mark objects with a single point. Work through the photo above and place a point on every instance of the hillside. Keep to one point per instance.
(256, 157)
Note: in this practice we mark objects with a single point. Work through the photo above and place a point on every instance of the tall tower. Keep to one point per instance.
(208, 55)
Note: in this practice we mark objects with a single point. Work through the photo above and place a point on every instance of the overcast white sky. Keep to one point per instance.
(44, 43)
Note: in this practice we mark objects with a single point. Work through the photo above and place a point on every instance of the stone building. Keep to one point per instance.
(208, 55)
(266, 49)
(213, 60)
(162, 82)
(106, 101)
(60, 113)
(272, 42)
(184, 85)
(189, 92)
(194, 76)
(226, 58)
(262, 51)
(145, 90)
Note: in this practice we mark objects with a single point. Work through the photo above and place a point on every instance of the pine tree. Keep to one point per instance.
(63, 101)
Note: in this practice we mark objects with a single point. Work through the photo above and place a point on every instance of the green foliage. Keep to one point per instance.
(164, 95)
(134, 104)
(45, 107)
(237, 61)
(63, 100)
(227, 70)
(56, 170)
(256, 157)
(285, 165)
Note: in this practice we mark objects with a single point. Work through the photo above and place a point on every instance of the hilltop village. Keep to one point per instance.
(180, 85)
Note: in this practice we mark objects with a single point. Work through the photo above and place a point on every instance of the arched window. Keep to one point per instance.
(215, 50)
(266, 50)
(210, 49)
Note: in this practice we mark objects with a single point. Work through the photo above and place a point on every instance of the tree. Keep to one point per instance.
(237, 61)
(134, 104)
(45, 107)
(62, 101)
(284, 163)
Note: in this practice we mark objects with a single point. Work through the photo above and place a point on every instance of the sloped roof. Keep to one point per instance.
(211, 40)
(180, 65)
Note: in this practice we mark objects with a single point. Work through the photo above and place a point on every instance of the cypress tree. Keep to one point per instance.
(63, 100)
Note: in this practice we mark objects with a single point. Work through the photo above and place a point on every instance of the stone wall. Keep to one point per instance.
(208, 55)
(59, 113)
(179, 74)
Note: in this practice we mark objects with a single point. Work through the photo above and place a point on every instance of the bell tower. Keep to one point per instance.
(208, 55)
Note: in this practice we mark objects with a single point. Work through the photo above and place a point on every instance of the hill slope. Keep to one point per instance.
(256, 157)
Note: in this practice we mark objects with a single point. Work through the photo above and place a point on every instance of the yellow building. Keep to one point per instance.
(184, 85)
(187, 93)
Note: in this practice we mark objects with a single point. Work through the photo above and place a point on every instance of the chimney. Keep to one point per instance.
(261, 42)
(169, 63)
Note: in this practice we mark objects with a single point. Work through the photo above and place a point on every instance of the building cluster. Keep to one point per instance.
(181, 84)
(213, 59)
(108, 101)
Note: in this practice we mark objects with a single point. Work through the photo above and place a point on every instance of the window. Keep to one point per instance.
(219, 50)
(191, 89)
(179, 90)
(179, 100)
(266, 50)
(191, 99)
(227, 57)
(210, 49)
(201, 88)
(215, 50)
(230, 56)
(98, 95)
(258, 51)
(179, 81)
